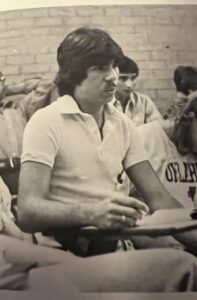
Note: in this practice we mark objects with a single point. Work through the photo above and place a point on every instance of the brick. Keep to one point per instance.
(174, 64)
(140, 55)
(48, 21)
(152, 65)
(180, 46)
(35, 45)
(2, 61)
(150, 47)
(164, 55)
(168, 11)
(140, 28)
(23, 23)
(155, 84)
(17, 60)
(46, 58)
(164, 33)
(139, 10)
(57, 30)
(89, 11)
(120, 29)
(166, 94)
(129, 40)
(37, 31)
(163, 74)
(62, 11)
(33, 68)
(184, 20)
(117, 11)
(2, 25)
(10, 70)
(77, 21)
(9, 15)
(10, 33)
(132, 20)
(2, 43)
(13, 42)
(144, 74)
(103, 20)
(159, 20)
(54, 68)
(8, 51)
(188, 55)
(31, 13)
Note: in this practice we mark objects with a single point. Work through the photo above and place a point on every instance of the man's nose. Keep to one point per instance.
(112, 75)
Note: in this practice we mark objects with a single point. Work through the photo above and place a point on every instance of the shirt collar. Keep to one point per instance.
(132, 100)
(67, 105)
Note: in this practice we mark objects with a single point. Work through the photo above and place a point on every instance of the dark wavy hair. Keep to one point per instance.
(185, 79)
(79, 50)
(181, 133)
(127, 65)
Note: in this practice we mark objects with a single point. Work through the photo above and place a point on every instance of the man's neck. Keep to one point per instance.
(97, 112)
(123, 99)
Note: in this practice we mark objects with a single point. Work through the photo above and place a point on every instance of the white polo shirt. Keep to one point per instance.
(84, 166)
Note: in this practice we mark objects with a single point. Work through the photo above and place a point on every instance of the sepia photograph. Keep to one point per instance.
(106, 210)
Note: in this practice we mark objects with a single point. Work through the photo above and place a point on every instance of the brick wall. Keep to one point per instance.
(158, 37)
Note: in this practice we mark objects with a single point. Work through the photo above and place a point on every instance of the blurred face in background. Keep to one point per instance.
(126, 84)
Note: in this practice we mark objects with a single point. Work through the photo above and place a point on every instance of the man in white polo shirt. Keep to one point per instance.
(73, 154)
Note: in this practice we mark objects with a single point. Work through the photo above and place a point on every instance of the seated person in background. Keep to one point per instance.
(7, 220)
(138, 107)
(174, 157)
(73, 153)
(33, 93)
(185, 79)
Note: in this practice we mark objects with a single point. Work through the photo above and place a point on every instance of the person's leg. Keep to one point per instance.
(153, 270)
(163, 270)
(17, 251)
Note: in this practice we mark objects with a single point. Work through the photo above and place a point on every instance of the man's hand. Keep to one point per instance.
(117, 212)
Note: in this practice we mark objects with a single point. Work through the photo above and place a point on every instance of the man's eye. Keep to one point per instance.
(99, 68)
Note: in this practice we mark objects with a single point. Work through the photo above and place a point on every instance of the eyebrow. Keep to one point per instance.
(128, 75)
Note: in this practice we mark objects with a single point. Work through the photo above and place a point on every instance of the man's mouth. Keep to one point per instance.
(110, 89)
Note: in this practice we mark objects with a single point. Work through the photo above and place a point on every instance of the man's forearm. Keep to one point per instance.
(42, 214)
(150, 187)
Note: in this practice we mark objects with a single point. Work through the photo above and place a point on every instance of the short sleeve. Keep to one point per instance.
(152, 113)
(135, 149)
(41, 139)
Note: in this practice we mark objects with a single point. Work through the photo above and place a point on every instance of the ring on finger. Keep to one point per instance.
(124, 218)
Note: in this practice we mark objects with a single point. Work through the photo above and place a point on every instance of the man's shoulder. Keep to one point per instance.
(142, 97)
(48, 114)
(120, 115)
(153, 135)
(153, 128)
